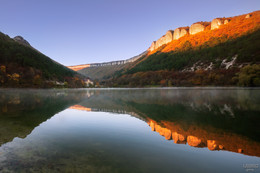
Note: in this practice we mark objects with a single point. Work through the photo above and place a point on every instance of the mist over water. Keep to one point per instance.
(129, 130)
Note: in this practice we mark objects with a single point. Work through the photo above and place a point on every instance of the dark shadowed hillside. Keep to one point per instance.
(23, 66)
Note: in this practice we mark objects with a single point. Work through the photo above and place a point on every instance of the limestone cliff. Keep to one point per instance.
(168, 36)
(111, 63)
(198, 27)
(192, 30)
(216, 23)
(160, 42)
(180, 32)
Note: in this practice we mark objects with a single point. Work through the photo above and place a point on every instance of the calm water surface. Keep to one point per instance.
(130, 130)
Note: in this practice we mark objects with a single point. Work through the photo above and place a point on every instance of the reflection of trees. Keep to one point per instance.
(21, 111)
(198, 98)
(234, 110)
(201, 118)
(204, 115)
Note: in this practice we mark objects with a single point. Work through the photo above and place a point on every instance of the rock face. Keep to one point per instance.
(180, 32)
(80, 67)
(160, 42)
(196, 28)
(168, 37)
(21, 40)
(152, 47)
(248, 16)
(216, 23)
(226, 21)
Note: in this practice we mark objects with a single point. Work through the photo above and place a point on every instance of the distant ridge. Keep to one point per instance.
(119, 62)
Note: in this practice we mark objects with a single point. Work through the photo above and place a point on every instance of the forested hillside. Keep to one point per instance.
(23, 66)
(229, 55)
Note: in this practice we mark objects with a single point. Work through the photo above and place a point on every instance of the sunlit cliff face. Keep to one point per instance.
(78, 67)
(201, 32)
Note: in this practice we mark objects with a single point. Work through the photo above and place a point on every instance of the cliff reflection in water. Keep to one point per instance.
(219, 119)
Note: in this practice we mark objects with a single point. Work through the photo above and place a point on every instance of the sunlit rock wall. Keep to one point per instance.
(168, 37)
(180, 32)
(196, 28)
(160, 42)
(226, 21)
(216, 23)
(152, 47)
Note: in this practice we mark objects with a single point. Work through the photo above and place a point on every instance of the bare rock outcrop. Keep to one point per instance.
(120, 62)
(160, 42)
(198, 27)
(216, 23)
(226, 21)
(152, 47)
(22, 41)
(168, 37)
(180, 32)
(248, 16)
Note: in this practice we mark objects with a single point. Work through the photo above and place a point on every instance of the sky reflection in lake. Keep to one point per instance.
(114, 132)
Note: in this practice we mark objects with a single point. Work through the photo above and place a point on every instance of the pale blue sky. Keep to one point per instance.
(76, 32)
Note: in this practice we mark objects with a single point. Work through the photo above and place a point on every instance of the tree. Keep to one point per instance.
(249, 76)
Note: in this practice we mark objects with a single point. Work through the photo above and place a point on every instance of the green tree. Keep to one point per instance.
(249, 76)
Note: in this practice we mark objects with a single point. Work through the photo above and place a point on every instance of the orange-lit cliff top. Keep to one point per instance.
(231, 27)
(78, 67)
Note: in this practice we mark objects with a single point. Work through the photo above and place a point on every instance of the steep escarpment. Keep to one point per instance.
(222, 52)
(111, 63)
(237, 23)
(105, 70)
(23, 66)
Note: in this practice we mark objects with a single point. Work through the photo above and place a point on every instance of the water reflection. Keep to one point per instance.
(222, 119)
(23, 110)
(48, 120)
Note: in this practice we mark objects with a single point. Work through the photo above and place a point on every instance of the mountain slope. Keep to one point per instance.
(23, 66)
(227, 55)
(103, 72)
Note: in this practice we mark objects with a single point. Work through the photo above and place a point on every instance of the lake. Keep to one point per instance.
(130, 130)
